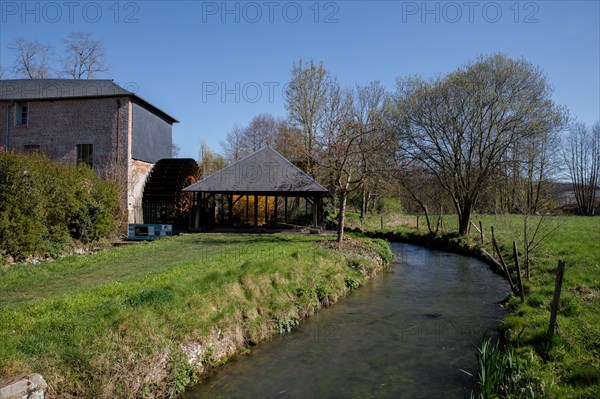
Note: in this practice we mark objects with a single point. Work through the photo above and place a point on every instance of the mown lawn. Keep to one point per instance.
(569, 366)
(115, 323)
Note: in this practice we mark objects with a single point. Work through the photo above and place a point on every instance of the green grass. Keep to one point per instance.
(116, 323)
(569, 366)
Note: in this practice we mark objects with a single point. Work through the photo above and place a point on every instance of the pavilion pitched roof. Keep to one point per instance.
(262, 172)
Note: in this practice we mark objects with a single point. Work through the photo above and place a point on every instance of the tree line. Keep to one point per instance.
(485, 137)
(82, 57)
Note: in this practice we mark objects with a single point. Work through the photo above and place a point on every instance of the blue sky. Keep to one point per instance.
(213, 64)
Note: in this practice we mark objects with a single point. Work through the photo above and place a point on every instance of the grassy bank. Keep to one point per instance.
(149, 319)
(569, 366)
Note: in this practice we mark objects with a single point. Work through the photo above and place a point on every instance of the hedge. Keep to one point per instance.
(48, 207)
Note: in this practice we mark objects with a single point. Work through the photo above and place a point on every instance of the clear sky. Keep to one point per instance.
(212, 64)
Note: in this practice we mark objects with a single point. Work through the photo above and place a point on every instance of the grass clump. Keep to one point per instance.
(503, 373)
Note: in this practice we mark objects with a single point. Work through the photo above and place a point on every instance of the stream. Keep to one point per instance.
(408, 333)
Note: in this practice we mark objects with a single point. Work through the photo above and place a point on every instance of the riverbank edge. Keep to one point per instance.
(222, 345)
(447, 243)
(181, 364)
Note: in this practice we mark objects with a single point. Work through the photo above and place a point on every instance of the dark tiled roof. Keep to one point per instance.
(265, 171)
(54, 89)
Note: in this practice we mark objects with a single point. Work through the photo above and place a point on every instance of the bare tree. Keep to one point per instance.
(261, 132)
(461, 126)
(347, 143)
(84, 56)
(339, 151)
(233, 146)
(289, 143)
(175, 150)
(305, 100)
(421, 188)
(208, 161)
(535, 163)
(32, 59)
(2, 72)
(582, 158)
(369, 105)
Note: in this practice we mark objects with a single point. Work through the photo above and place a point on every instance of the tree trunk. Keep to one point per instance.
(341, 216)
(527, 244)
(427, 219)
(464, 216)
(363, 205)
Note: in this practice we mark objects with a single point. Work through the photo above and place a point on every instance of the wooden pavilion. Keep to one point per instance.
(263, 189)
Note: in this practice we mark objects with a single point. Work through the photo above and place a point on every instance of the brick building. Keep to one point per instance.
(95, 122)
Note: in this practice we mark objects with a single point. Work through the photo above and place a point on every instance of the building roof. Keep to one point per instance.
(264, 172)
(56, 89)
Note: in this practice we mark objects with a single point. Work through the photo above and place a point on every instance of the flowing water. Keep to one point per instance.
(409, 333)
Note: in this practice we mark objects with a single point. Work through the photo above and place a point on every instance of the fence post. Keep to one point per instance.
(560, 271)
(504, 267)
(519, 281)
(481, 232)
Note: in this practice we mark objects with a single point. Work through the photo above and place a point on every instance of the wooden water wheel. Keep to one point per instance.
(164, 201)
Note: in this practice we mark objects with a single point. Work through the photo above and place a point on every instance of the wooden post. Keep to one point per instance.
(519, 280)
(275, 210)
(306, 219)
(199, 208)
(474, 225)
(266, 209)
(481, 232)
(504, 267)
(320, 211)
(381, 222)
(248, 209)
(222, 209)
(314, 212)
(256, 211)
(556, 299)
(417, 222)
(230, 209)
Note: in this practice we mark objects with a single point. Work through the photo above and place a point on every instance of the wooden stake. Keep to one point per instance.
(266, 209)
(556, 298)
(481, 232)
(417, 222)
(474, 225)
(519, 280)
(487, 255)
(504, 267)
(256, 211)
(248, 210)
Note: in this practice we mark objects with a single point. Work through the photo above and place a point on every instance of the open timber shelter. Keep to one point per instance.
(262, 189)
